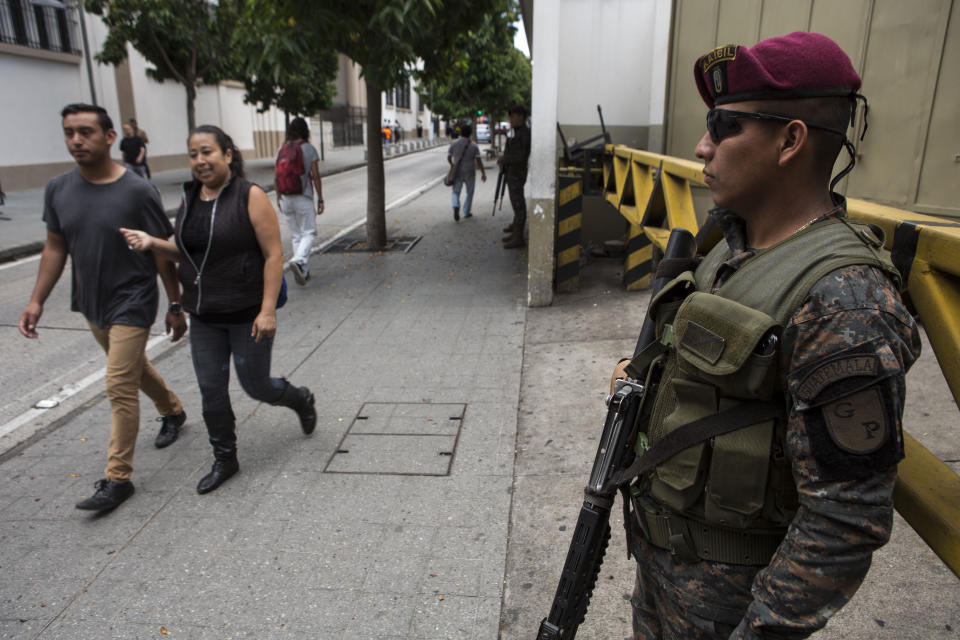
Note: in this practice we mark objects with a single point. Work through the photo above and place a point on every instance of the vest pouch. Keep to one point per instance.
(679, 481)
(727, 345)
(663, 307)
(737, 481)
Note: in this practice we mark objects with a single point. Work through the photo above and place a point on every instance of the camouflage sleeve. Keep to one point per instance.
(845, 353)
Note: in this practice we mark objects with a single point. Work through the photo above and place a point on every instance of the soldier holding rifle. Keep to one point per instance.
(780, 358)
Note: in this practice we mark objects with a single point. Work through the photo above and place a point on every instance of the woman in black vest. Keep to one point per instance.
(231, 268)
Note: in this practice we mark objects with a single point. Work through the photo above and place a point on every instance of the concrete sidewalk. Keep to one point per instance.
(390, 521)
(22, 231)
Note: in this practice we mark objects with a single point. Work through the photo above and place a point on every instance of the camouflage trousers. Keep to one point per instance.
(673, 600)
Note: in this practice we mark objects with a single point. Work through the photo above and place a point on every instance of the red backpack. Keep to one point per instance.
(289, 169)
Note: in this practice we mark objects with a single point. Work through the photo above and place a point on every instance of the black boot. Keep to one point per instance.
(456, 214)
(300, 399)
(222, 431)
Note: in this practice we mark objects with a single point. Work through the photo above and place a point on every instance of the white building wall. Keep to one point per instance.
(161, 108)
(613, 53)
(30, 129)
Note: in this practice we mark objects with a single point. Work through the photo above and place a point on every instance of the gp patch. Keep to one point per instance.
(857, 423)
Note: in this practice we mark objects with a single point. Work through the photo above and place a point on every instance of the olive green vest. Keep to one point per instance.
(723, 351)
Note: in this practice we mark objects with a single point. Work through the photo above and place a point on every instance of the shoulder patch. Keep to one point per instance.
(832, 371)
(840, 374)
(858, 423)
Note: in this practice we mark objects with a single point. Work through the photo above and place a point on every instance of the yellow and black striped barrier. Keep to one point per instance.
(569, 219)
(652, 192)
(639, 265)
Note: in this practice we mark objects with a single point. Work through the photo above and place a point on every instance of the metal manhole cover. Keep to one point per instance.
(399, 438)
(354, 245)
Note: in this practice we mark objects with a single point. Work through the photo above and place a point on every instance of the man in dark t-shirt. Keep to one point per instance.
(134, 151)
(114, 288)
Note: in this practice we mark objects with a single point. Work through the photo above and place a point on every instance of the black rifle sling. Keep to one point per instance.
(738, 417)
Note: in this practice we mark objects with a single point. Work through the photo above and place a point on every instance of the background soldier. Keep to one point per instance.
(514, 160)
(767, 531)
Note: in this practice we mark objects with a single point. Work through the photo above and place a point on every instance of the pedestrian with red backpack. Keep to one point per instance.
(295, 178)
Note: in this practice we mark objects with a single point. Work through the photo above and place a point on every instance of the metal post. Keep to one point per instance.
(86, 50)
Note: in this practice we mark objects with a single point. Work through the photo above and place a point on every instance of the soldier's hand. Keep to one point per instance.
(619, 373)
(29, 319)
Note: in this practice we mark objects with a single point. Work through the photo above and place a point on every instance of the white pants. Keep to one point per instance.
(301, 215)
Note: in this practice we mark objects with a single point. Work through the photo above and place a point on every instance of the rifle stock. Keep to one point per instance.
(615, 452)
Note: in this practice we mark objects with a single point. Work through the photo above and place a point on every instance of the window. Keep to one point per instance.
(46, 24)
(403, 95)
(389, 94)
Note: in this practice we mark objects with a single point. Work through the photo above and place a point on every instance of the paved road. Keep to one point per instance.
(65, 353)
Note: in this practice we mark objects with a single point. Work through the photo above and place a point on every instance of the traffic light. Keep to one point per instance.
(479, 112)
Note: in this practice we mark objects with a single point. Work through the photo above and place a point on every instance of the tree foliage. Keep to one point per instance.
(282, 65)
(386, 38)
(188, 41)
(482, 70)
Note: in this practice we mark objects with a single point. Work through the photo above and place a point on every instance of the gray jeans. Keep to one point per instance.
(211, 346)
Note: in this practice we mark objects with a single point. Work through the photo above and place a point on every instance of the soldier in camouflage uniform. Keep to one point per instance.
(842, 354)
(514, 161)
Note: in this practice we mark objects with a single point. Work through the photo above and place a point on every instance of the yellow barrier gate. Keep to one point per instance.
(924, 248)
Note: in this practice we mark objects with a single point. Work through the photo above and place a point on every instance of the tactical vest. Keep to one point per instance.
(730, 499)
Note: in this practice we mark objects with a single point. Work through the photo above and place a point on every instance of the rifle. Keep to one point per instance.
(498, 192)
(614, 454)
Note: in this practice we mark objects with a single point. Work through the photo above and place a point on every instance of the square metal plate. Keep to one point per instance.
(400, 439)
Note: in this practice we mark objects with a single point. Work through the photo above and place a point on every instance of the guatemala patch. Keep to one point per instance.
(857, 423)
(828, 373)
(839, 375)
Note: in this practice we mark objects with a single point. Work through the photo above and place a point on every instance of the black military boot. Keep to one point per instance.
(222, 431)
(300, 399)
(514, 240)
(109, 494)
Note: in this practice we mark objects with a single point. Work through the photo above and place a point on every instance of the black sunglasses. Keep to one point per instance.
(722, 123)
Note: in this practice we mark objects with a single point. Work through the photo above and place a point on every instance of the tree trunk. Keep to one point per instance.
(376, 215)
(191, 115)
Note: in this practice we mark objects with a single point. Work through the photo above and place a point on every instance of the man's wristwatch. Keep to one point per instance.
(175, 308)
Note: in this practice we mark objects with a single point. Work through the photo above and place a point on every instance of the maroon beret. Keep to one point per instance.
(798, 65)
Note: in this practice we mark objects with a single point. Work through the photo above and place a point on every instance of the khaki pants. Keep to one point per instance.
(128, 371)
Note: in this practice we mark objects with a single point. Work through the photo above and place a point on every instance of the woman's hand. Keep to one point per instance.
(264, 326)
(137, 240)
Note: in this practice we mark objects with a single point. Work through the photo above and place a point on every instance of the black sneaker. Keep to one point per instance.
(169, 429)
(467, 215)
(299, 274)
(108, 495)
(456, 214)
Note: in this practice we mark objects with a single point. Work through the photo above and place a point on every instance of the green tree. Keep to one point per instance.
(386, 38)
(482, 70)
(188, 41)
(282, 66)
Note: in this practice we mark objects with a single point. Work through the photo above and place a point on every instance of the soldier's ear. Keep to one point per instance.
(793, 139)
